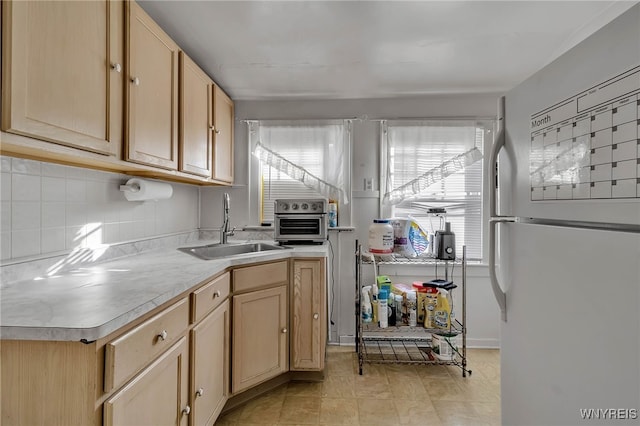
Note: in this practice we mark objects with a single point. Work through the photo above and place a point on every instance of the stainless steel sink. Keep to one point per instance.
(216, 251)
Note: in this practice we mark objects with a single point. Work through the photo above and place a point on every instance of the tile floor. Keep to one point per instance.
(384, 395)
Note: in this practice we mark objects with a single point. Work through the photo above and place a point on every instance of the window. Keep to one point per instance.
(301, 159)
(437, 164)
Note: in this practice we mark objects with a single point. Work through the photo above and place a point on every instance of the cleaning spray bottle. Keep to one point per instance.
(366, 306)
(442, 314)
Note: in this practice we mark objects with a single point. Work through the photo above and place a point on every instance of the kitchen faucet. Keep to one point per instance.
(224, 230)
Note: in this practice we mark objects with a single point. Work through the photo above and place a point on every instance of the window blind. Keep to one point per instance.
(414, 148)
(319, 147)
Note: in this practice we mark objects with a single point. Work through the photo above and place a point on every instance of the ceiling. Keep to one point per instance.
(375, 49)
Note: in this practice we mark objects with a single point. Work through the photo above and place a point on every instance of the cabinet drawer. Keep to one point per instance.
(253, 277)
(130, 352)
(209, 296)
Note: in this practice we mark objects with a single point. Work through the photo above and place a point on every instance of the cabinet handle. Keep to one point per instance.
(316, 316)
(186, 410)
(212, 128)
(135, 81)
(116, 67)
(284, 330)
(217, 132)
(163, 335)
(200, 392)
(217, 294)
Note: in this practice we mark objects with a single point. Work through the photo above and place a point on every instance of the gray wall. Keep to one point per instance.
(482, 310)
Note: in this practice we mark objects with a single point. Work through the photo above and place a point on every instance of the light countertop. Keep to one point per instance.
(88, 303)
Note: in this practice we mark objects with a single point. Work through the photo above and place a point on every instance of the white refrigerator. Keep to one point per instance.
(565, 235)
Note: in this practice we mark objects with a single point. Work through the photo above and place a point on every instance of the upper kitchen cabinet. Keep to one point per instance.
(223, 116)
(196, 118)
(151, 91)
(62, 72)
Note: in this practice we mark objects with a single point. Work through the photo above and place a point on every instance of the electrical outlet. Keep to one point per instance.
(368, 184)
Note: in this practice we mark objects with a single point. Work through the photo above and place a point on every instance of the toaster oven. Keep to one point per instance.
(300, 221)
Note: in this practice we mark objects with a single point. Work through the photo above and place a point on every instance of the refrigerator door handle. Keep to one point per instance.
(495, 218)
(498, 293)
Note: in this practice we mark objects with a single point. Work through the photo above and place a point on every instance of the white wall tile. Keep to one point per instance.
(127, 231)
(54, 189)
(25, 215)
(77, 173)
(5, 245)
(76, 214)
(5, 164)
(53, 214)
(5, 216)
(25, 187)
(94, 234)
(54, 170)
(97, 191)
(111, 233)
(53, 239)
(96, 212)
(74, 237)
(25, 243)
(76, 190)
(20, 165)
(5, 186)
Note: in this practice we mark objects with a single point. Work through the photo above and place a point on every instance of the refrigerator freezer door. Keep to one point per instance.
(572, 340)
(572, 131)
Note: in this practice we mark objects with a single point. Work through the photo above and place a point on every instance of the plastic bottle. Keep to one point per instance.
(391, 310)
(374, 303)
(381, 237)
(366, 307)
(442, 314)
(383, 316)
(412, 312)
(398, 309)
(333, 213)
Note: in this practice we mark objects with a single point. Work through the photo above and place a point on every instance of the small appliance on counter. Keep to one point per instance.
(445, 243)
(300, 221)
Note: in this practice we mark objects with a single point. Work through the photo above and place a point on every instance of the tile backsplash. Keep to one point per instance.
(49, 209)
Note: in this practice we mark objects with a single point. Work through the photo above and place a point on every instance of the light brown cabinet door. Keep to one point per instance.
(210, 366)
(63, 72)
(260, 337)
(223, 111)
(308, 321)
(157, 396)
(196, 118)
(152, 92)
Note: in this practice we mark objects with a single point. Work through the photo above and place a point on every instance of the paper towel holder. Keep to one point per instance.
(137, 189)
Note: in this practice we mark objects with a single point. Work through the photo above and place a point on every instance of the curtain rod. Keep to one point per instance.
(367, 118)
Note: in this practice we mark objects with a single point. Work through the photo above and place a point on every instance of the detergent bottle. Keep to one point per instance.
(442, 314)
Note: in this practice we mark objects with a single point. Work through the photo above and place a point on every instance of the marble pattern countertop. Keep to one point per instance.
(88, 303)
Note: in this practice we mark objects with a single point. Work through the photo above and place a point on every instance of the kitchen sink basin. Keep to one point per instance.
(216, 251)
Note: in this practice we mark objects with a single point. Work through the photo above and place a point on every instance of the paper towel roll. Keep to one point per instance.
(140, 190)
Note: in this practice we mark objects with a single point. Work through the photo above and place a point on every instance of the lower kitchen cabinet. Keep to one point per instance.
(157, 396)
(308, 319)
(260, 340)
(210, 366)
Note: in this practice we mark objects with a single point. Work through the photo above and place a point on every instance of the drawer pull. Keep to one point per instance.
(284, 330)
(316, 316)
(217, 294)
(186, 410)
(116, 67)
(200, 392)
(163, 335)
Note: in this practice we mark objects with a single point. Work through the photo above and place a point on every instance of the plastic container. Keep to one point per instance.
(383, 316)
(442, 314)
(399, 308)
(381, 237)
(412, 313)
(333, 213)
(367, 314)
(444, 346)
